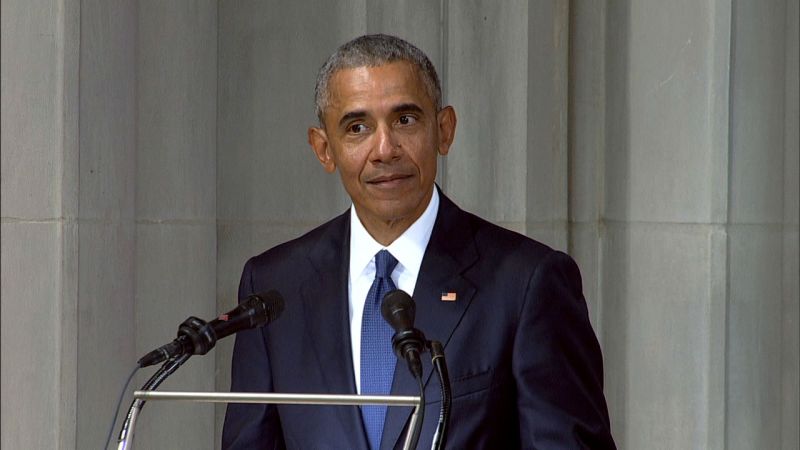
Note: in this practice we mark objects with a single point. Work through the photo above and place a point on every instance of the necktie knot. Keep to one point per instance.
(384, 264)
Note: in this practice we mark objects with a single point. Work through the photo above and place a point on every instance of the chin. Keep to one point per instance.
(394, 213)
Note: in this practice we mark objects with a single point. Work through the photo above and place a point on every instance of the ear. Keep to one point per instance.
(318, 140)
(447, 128)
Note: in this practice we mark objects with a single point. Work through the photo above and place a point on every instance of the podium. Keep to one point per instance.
(126, 438)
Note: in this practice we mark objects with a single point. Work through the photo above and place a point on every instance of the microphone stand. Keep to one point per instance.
(440, 364)
(416, 422)
(196, 332)
(125, 439)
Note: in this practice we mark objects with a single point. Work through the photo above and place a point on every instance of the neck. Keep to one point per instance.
(386, 232)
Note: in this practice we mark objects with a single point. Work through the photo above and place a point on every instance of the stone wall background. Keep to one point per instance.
(149, 148)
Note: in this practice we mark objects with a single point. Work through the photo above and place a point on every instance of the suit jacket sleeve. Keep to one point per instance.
(557, 363)
(251, 426)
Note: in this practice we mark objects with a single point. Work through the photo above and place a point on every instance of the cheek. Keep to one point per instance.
(350, 163)
(425, 154)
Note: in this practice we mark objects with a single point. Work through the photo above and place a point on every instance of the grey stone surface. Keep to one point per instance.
(790, 358)
(106, 349)
(267, 70)
(585, 241)
(177, 113)
(665, 161)
(546, 196)
(30, 110)
(660, 120)
(754, 337)
(586, 128)
(656, 334)
(791, 141)
(757, 113)
(39, 242)
(586, 110)
(106, 208)
(790, 396)
(107, 110)
(487, 88)
(418, 21)
(31, 360)
(175, 279)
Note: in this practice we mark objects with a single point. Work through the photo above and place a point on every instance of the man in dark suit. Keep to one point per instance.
(525, 365)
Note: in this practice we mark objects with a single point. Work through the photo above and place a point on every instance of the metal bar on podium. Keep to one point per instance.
(280, 399)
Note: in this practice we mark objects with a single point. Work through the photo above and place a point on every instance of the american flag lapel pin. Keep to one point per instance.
(448, 296)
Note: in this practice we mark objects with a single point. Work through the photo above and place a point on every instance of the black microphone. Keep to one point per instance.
(196, 337)
(399, 310)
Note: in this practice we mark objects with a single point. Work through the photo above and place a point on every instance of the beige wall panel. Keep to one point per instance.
(547, 170)
(267, 69)
(586, 110)
(417, 21)
(586, 130)
(791, 164)
(790, 398)
(586, 251)
(487, 83)
(176, 278)
(107, 117)
(31, 316)
(790, 372)
(31, 111)
(656, 334)
(39, 240)
(661, 85)
(553, 233)
(757, 112)
(177, 114)
(106, 345)
(107, 110)
(754, 337)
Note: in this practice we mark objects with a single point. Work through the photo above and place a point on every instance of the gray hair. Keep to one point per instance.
(374, 50)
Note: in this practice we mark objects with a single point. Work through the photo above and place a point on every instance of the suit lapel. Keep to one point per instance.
(450, 252)
(325, 304)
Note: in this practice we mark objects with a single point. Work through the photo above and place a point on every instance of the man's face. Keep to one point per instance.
(383, 133)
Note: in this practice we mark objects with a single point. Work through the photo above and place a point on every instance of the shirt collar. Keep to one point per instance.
(408, 248)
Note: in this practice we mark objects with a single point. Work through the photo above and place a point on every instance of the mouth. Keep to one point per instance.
(388, 181)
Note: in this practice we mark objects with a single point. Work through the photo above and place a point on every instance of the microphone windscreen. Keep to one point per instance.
(399, 310)
(270, 304)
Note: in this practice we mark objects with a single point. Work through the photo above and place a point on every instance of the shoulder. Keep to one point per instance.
(502, 251)
(288, 255)
(493, 241)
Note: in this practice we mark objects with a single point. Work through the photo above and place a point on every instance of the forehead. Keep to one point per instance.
(370, 88)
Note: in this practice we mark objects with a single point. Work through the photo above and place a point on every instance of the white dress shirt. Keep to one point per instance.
(408, 249)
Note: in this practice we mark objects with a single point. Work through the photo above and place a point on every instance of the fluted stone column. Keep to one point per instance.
(684, 205)
(176, 194)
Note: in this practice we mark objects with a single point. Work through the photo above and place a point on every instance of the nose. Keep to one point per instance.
(387, 148)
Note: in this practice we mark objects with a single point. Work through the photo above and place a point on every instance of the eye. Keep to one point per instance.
(407, 119)
(357, 128)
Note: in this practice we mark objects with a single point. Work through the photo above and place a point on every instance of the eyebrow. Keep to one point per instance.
(358, 114)
(407, 107)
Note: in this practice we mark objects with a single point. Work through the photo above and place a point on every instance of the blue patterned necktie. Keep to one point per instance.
(377, 359)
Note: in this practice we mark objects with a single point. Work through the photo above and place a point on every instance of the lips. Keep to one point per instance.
(384, 180)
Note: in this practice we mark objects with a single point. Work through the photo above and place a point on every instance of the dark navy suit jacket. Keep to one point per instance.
(525, 365)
